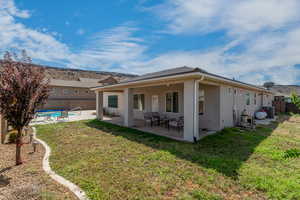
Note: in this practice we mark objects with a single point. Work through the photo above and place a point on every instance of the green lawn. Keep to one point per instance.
(112, 162)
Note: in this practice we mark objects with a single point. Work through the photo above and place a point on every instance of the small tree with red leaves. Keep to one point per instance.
(23, 88)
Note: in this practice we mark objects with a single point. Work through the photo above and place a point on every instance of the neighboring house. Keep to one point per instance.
(206, 101)
(70, 87)
(285, 91)
(70, 94)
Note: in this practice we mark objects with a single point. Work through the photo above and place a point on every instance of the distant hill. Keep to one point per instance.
(285, 90)
(75, 74)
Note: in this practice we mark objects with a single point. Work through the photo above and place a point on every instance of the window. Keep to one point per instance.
(255, 98)
(201, 102)
(247, 95)
(172, 102)
(53, 91)
(113, 101)
(65, 91)
(139, 102)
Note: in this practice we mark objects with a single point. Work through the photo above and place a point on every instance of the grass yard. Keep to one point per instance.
(112, 162)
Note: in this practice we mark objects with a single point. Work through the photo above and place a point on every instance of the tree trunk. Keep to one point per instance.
(2, 129)
(18, 148)
(2, 137)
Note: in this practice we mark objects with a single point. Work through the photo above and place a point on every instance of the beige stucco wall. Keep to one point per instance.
(211, 115)
(221, 102)
(71, 92)
(268, 99)
(231, 101)
(161, 92)
(120, 108)
(71, 97)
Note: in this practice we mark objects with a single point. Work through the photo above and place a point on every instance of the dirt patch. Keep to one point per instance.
(27, 181)
(294, 119)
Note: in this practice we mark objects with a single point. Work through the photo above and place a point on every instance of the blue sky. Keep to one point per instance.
(252, 41)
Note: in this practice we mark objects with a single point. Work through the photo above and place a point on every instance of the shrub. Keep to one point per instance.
(292, 153)
(12, 136)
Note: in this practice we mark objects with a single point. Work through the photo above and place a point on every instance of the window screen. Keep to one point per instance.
(172, 104)
(247, 99)
(139, 102)
(113, 101)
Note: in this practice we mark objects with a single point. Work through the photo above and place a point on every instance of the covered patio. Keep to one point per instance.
(173, 99)
(140, 125)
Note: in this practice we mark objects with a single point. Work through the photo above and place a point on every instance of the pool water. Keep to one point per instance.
(51, 113)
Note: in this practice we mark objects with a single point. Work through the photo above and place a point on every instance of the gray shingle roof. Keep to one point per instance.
(178, 71)
(79, 84)
(93, 80)
(168, 72)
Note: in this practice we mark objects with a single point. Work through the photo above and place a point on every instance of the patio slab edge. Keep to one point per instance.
(78, 192)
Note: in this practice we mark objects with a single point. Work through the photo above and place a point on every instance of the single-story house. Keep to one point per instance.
(205, 101)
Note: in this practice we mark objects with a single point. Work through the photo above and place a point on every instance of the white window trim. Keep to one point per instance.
(165, 98)
(117, 101)
(246, 94)
(204, 102)
(141, 110)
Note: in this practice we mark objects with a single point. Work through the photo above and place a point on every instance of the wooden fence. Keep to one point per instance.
(283, 107)
(290, 107)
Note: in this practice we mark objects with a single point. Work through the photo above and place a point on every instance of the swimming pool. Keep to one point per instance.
(52, 113)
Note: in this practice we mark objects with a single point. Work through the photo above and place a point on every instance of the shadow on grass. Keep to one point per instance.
(224, 152)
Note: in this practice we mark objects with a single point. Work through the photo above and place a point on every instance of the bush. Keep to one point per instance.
(12, 136)
(292, 153)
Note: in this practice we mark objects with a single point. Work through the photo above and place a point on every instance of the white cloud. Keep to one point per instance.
(14, 35)
(267, 39)
(113, 48)
(264, 35)
(267, 57)
(9, 8)
(234, 16)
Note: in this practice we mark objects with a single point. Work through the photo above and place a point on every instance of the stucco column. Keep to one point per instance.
(128, 107)
(99, 105)
(191, 114)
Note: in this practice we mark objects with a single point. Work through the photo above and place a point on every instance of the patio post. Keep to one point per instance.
(99, 104)
(191, 114)
(128, 107)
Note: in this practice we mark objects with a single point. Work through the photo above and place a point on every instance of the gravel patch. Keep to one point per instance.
(27, 181)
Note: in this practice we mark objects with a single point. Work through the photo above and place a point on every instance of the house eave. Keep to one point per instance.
(182, 77)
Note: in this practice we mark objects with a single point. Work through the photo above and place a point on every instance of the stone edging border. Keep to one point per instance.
(46, 167)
